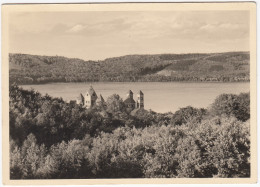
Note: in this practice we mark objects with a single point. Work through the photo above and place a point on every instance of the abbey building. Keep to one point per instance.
(90, 99)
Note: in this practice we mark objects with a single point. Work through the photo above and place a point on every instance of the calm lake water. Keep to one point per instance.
(158, 96)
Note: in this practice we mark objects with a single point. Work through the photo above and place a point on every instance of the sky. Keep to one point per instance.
(99, 35)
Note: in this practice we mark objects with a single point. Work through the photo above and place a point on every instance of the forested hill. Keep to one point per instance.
(35, 69)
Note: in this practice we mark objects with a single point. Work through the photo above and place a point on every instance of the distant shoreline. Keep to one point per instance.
(136, 82)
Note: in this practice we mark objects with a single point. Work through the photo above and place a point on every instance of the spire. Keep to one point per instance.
(129, 94)
(80, 96)
(140, 92)
(100, 101)
(92, 92)
(101, 98)
(80, 99)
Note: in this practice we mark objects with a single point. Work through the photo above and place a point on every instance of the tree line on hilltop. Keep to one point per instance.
(52, 139)
(223, 67)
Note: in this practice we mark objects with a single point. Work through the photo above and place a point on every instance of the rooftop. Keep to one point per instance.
(129, 101)
(91, 91)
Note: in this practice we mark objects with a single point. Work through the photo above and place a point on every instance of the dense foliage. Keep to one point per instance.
(52, 139)
(34, 69)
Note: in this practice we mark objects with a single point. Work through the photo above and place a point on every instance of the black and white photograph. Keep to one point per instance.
(102, 92)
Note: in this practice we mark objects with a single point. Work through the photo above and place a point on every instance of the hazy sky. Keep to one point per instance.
(98, 35)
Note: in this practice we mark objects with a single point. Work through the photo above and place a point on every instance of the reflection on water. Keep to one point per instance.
(158, 96)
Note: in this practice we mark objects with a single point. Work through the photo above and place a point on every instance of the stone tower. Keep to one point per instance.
(129, 102)
(140, 100)
(90, 98)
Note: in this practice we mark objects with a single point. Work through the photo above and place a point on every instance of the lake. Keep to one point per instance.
(158, 96)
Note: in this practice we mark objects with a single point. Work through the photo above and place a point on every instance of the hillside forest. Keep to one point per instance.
(53, 139)
(217, 67)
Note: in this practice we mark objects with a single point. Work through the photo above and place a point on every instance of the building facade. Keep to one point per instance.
(89, 99)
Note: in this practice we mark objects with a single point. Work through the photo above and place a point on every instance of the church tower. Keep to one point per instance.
(90, 98)
(129, 101)
(140, 100)
(129, 94)
(100, 101)
(80, 100)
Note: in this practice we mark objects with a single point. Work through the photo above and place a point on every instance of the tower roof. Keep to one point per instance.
(80, 97)
(130, 92)
(91, 91)
(100, 99)
(140, 92)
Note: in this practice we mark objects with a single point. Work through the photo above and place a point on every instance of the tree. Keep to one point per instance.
(232, 105)
(70, 160)
(183, 115)
(26, 162)
(243, 112)
(115, 104)
(15, 161)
